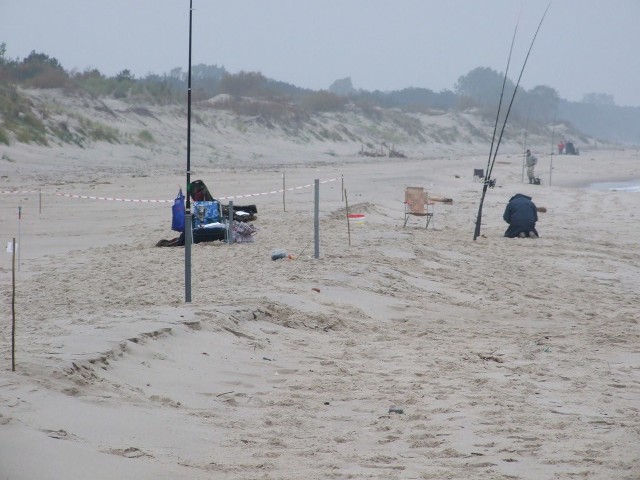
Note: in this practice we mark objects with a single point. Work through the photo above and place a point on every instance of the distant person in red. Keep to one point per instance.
(560, 147)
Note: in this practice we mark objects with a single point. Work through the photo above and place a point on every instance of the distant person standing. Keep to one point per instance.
(531, 162)
(561, 147)
(521, 214)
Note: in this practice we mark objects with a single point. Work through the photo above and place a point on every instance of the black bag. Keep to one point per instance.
(199, 191)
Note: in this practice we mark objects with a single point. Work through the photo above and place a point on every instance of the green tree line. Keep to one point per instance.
(478, 90)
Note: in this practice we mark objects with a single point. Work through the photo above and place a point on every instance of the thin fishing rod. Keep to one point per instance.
(504, 124)
(487, 177)
(188, 225)
(504, 83)
(524, 64)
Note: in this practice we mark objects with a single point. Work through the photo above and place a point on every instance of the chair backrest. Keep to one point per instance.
(415, 198)
(478, 172)
(206, 212)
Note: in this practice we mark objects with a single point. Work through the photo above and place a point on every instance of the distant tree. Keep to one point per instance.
(35, 64)
(41, 71)
(483, 85)
(598, 99)
(342, 87)
(243, 84)
(90, 73)
(207, 72)
(125, 75)
(3, 52)
(7, 67)
(543, 102)
(42, 58)
(176, 73)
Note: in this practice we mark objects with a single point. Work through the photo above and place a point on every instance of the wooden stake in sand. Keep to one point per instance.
(346, 206)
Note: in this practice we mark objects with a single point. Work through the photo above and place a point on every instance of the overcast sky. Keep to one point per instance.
(584, 46)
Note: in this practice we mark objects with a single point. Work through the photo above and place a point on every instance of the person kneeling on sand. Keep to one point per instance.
(521, 214)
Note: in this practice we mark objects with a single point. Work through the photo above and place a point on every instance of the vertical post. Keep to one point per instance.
(284, 189)
(13, 307)
(316, 218)
(524, 147)
(188, 225)
(188, 243)
(346, 203)
(230, 224)
(19, 235)
(553, 140)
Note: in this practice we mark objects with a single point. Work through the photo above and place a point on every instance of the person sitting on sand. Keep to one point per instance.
(521, 214)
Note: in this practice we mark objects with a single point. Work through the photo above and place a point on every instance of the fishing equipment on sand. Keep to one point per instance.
(177, 211)
(493, 153)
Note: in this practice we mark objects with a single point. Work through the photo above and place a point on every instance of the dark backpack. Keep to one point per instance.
(200, 192)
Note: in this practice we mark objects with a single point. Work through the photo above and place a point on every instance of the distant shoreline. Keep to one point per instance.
(626, 186)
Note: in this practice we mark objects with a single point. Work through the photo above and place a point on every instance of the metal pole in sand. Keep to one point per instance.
(230, 224)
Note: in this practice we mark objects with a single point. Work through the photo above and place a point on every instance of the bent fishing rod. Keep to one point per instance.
(492, 160)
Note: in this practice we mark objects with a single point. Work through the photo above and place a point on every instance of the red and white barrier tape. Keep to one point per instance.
(132, 200)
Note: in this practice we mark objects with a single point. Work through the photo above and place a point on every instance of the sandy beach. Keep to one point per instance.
(409, 353)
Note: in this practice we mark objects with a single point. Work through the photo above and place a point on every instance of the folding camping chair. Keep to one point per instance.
(478, 174)
(417, 203)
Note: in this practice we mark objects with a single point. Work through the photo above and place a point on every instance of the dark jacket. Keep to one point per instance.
(521, 215)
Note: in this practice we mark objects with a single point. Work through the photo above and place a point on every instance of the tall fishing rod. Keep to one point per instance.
(487, 176)
(504, 83)
(188, 226)
(504, 125)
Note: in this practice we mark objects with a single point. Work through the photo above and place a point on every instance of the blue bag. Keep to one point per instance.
(178, 210)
